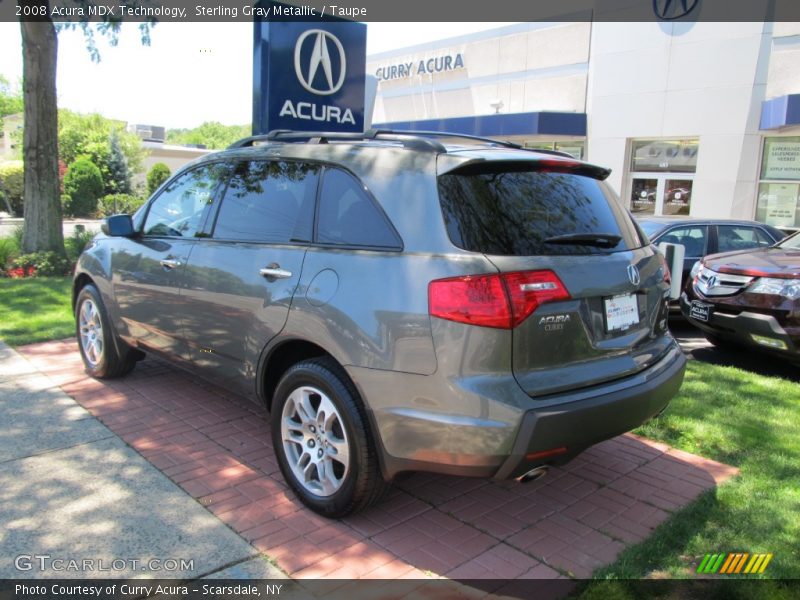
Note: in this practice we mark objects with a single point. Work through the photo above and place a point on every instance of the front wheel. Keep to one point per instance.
(104, 355)
(323, 441)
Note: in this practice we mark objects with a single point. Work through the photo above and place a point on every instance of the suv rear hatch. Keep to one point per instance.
(585, 288)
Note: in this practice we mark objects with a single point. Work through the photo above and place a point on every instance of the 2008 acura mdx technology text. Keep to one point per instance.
(399, 301)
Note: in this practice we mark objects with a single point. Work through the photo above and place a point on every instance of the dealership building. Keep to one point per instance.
(693, 118)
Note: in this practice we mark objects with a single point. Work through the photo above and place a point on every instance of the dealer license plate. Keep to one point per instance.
(700, 311)
(621, 312)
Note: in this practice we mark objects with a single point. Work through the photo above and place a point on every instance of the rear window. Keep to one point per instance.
(509, 209)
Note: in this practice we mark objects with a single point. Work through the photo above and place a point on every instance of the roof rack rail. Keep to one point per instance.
(324, 137)
(413, 139)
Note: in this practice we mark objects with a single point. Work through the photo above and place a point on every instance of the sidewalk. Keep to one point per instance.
(71, 489)
(216, 447)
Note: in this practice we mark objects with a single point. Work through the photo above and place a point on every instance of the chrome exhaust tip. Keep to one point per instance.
(533, 474)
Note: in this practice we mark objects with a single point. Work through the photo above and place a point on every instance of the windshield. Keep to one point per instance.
(509, 209)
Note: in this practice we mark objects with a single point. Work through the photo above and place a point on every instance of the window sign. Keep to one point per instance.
(677, 156)
(781, 158)
(777, 204)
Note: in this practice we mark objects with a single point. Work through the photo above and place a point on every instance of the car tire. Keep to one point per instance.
(318, 419)
(104, 355)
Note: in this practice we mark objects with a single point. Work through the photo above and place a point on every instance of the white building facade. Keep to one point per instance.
(693, 118)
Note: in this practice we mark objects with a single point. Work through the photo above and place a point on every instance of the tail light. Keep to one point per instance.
(501, 300)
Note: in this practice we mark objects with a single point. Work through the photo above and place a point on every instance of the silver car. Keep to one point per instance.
(399, 301)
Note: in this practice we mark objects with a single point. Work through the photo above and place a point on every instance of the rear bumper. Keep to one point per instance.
(580, 424)
(503, 424)
(746, 328)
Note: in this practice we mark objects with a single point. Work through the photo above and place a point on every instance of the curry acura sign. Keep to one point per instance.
(309, 76)
(438, 64)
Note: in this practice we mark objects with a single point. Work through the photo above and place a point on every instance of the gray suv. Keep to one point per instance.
(399, 301)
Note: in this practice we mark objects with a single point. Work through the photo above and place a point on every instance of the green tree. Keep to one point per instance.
(11, 178)
(93, 135)
(212, 135)
(10, 100)
(83, 185)
(43, 230)
(119, 176)
(157, 175)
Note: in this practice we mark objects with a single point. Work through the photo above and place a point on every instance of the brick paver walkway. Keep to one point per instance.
(216, 446)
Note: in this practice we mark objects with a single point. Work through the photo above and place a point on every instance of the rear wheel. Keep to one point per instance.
(97, 341)
(322, 439)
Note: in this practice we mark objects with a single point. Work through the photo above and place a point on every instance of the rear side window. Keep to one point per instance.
(348, 216)
(740, 237)
(268, 201)
(509, 209)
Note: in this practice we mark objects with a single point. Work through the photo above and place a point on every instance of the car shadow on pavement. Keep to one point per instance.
(216, 447)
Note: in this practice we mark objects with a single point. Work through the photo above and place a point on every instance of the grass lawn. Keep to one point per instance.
(35, 310)
(742, 419)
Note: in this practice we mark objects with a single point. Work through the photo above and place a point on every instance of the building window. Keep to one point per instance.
(779, 184)
(575, 148)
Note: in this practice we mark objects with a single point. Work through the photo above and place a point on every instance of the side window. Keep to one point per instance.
(179, 210)
(740, 237)
(693, 239)
(348, 216)
(268, 201)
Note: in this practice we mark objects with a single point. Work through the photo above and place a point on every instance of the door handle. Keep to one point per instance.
(169, 263)
(274, 271)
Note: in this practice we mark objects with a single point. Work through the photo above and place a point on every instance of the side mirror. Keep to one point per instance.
(118, 226)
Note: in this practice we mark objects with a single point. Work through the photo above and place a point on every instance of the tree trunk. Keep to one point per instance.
(42, 201)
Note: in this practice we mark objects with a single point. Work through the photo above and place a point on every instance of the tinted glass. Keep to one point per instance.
(347, 215)
(268, 201)
(693, 239)
(739, 237)
(180, 209)
(651, 228)
(503, 209)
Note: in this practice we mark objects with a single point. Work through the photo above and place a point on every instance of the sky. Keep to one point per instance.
(191, 72)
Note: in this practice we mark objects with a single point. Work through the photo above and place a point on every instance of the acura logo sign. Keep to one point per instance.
(633, 275)
(669, 10)
(324, 42)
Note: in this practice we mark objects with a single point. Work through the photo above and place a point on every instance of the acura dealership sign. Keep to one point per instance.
(309, 76)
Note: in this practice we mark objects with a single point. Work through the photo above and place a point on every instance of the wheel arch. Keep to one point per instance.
(278, 358)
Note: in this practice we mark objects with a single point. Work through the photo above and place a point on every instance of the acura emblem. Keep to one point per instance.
(633, 274)
(669, 10)
(324, 41)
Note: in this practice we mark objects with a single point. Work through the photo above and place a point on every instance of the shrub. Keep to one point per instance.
(115, 204)
(11, 185)
(8, 250)
(83, 184)
(45, 264)
(157, 175)
(77, 242)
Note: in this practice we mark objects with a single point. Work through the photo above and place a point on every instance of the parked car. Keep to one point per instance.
(749, 297)
(398, 302)
(700, 237)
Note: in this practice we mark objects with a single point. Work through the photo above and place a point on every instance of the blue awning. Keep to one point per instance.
(532, 123)
(780, 112)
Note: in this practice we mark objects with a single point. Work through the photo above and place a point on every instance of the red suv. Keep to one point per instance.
(750, 297)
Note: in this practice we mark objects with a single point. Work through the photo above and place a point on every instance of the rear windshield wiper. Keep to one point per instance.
(601, 240)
